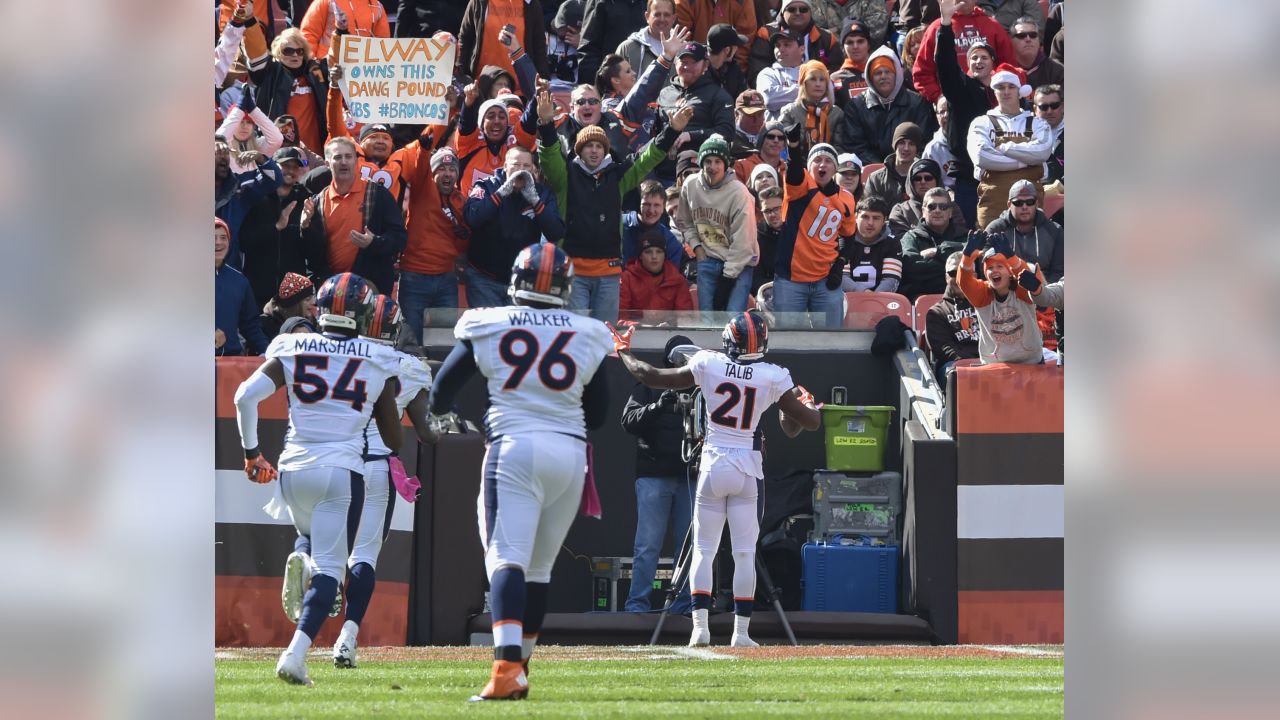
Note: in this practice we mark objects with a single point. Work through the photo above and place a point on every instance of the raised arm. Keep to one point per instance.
(677, 378)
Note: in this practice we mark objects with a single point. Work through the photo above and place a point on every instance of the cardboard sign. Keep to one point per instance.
(397, 80)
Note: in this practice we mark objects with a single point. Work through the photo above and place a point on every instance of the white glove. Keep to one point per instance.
(508, 187)
(531, 191)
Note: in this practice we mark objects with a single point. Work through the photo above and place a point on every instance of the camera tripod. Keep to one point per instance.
(680, 576)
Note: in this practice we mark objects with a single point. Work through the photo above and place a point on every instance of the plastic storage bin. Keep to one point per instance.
(849, 578)
(855, 436)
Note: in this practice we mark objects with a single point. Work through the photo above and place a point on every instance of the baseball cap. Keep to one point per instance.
(291, 154)
(1021, 189)
(697, 50)
(687, 160)
(848, 162)
(372, 128)
(781, 32)
(724, 35)
(749, 102)
(855, 27)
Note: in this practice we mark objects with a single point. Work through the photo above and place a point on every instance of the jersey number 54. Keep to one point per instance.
(311, 387)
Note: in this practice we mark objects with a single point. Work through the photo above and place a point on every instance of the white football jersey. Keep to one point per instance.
(414, 376)
(333, 384)
(736, 395)
(537, 362)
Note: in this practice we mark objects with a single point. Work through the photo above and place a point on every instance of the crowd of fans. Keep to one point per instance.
(682, 152)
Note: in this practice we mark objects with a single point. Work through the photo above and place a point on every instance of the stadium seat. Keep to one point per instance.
(865, 309)
(868, 169)
(1053, 203)
(918, 311)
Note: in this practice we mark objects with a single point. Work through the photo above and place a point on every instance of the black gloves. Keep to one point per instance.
(1029, 281)
(1000, 242)
(247, 102)
(690, 271)
(668, 399)
(836, 275)
(794, 134)
(977, 240)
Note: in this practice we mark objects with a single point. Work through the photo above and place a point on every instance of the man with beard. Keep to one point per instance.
(269, 236)
(926, 246)
(438, 236)
(352, 225)
(925, 175)
(692, 87)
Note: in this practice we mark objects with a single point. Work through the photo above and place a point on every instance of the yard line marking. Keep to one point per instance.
(701, 654)
(1034, 652)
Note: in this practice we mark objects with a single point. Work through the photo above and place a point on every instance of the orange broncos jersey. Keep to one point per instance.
(809, 239)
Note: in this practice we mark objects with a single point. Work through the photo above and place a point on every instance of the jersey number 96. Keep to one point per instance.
(520, 350)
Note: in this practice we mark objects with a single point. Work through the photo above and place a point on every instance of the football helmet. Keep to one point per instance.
(384, 320)
(746, 336)
(542, 273)
(342, 302)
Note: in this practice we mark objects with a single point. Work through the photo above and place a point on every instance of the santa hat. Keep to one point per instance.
(1013, 75)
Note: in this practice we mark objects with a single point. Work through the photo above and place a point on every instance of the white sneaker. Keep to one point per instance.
(742, 641)
(701, 637)
(297, 577)
(344, 650)
(293, 669)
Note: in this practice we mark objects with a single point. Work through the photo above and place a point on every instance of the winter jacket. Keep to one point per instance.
(924, 276)
(275, 82)
(1008, 330)
(619, 145)
(592, 199)
(1042, 246)
(952, 329)
(423, 18)
(767, 240)
(235, 313)
(224, 53)
(640, 49)
(700, 15)
(631, 229)
(871, 119)
(876, 265)
(780, 85)
(938, 149)
(1006, 12)
(644, 291)
(730, 77)
(606, 24)
(848, 82)
(712, 113)
(720, 218)
(987, 154)
(908, 213)
(237, 194)
(659, 433)
(818, 45)
(968, 98)
(888, 183)
(502, 227)
(365, 18)
(375, 263)
(965, 29)
(638, 110)
(267, 143)
(1045, 71)
(917, 12)
(270, 253)
(476, 29)
(811, 117)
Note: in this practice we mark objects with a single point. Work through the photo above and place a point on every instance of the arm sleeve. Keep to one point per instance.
(391, 235)
(454, 373)
(947, 73)
(552, 161)
(591, 46)
(333, 114)
(1051, 295)
(688, 229)
(636, 104)
(742, 230)
(595, 400)
(924, 73)
(225, 53)
(526, 73)
(1036, 151)
(313, 25)
(481, 207)
(981, 150)
(272, 138)
(256, 388)
(975, 291)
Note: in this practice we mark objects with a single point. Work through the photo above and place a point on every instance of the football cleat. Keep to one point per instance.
(293, 669)
(742, 641)
(507, 682)
(297, 576)
(701, 637)
(542, 273)
(344, 650)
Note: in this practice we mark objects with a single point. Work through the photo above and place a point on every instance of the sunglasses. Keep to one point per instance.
(938, 206)
(587, 101)
(798, 10)
(1043, 107)
(1030, 202)
(923, 178)
(1025, 35)
(292, 51)
(775, 136)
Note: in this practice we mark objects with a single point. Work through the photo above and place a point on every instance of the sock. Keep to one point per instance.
(740, 623)
(701, 600)
(361, 580)
(743, 608)
(507, 598)
(299, 644)
(535, 612)
(302, 544)
(316, 604)
(700, 618)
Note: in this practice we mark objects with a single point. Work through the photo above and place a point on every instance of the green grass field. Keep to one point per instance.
(643, 682)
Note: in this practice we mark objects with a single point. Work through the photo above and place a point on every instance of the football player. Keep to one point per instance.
(379, 501)
(335, 381)
(541, 363)
(738, 388)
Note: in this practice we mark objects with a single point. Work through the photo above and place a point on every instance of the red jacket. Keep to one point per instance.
(642, 291)
(968, 29)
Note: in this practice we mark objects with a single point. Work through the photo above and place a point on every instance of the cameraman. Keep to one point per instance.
(662, 482)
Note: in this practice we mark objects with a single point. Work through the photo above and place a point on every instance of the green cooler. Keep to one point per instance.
(856, 436)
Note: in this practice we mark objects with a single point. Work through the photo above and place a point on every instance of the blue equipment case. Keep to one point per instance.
(849, 578)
